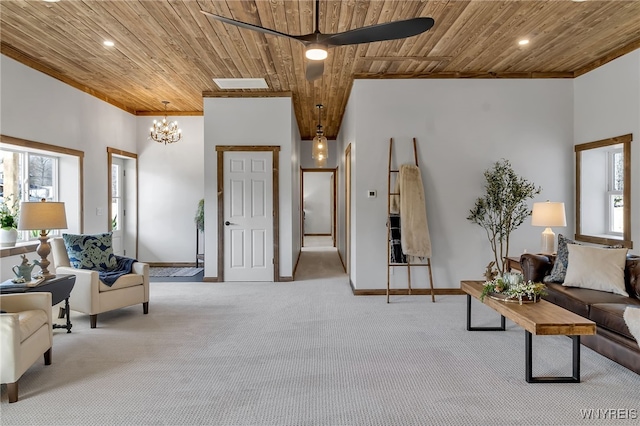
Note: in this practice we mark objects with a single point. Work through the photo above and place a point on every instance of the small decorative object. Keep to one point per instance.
(489, 272)
(23, 271)
(503, 208)
(511, 287)
(9, 210)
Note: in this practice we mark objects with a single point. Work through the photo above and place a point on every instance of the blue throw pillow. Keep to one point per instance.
(93, 252)
(559, 269)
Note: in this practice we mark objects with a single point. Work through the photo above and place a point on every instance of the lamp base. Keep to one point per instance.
(43, 250)
(548, 241)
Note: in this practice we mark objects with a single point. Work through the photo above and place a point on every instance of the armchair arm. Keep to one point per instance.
(142, 269)
(86, 290)
(535, 266)
(17, 302)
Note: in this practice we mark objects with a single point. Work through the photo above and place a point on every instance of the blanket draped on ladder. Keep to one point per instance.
(410, 204)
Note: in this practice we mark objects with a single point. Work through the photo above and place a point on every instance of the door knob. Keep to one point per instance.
(228, 223)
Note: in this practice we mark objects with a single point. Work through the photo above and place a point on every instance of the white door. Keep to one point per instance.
(117, 205)
(248, 216)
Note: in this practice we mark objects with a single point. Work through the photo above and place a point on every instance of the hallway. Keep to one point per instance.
(319, 260)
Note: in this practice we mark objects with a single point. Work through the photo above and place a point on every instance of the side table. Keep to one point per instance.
(512, 263)
(60, 288)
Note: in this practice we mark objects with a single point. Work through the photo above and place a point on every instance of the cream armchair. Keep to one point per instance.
(91, 296)
(26, 333)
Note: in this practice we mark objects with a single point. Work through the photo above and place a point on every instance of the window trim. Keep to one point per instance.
(10, 141)
(625, 241)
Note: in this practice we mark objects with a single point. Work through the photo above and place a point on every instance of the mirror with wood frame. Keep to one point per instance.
(603, 191)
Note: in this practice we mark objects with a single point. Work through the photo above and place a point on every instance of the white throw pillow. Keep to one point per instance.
(596, 269)
(632, 318)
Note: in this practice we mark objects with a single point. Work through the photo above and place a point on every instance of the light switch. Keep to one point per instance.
(99, 211)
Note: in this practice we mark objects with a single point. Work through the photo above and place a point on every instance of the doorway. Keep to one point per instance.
(122, 202)
(318, 219)
(248, 213)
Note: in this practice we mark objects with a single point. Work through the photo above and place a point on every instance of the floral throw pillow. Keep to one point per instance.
(93, 252)
(559, 269)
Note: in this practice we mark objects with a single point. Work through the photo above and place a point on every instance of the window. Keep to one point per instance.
(614, 195)
(28, 176)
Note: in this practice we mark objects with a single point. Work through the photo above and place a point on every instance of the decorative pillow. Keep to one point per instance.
(632, 318)
(596, 268)
(562, 259)
(90, 251)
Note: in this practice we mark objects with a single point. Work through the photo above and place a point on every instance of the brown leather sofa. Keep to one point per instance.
(612, 338)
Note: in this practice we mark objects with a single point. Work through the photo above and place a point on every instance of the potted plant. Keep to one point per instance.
(9, 221)
(503, 208)
(199, 218)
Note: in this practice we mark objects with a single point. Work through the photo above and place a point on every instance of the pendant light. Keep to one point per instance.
(320, 151)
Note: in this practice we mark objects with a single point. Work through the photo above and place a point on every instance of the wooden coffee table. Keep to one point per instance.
(541, 318)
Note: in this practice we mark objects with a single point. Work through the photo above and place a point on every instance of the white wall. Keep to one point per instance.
(462, 128)
(171, 182)
(39, 108)
(607, 104)
(251, 121)
(317, 203)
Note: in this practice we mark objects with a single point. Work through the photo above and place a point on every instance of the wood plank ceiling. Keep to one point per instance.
(168, 50)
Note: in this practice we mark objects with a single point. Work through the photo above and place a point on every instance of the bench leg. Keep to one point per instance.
(145, 307)
(470, 328)
(575, 378)
(94, 320)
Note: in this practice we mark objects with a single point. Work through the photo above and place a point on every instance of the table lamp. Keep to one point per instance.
(44, 216)
(548, 214)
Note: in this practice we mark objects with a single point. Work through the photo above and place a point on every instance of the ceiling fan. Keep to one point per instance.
(317, 43)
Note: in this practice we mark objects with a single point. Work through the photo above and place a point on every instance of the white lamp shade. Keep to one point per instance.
(42, 215)
(548, 214)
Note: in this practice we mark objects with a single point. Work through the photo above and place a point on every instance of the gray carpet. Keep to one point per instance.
(307, 352)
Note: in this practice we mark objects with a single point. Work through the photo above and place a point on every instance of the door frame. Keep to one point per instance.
(111, 152)
(275, 156)
(347, 208)
(334, 201)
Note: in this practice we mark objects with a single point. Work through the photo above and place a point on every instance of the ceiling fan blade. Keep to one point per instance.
(253, 27)
(381, 32)
(314, 70)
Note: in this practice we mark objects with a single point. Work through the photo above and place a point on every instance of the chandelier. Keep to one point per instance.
(320, 151)
(165, 131)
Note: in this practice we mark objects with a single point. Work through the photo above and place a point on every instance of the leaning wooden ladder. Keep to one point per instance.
(390, 193)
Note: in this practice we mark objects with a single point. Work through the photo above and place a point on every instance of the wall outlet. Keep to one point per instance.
(371, 193)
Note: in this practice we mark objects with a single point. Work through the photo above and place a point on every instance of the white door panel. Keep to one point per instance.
(248, 210)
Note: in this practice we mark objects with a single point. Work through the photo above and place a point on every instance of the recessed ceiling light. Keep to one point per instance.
(241, 83)
(523, 42)
(108, 43)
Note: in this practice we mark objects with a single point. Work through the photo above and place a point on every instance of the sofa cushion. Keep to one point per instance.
(128, 280)
(611, 317)
(30, 321)
(562, 259)
(578, 300)
(93, 252)
(596, 268)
